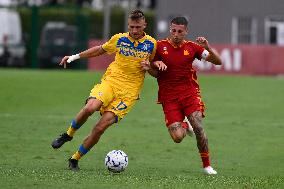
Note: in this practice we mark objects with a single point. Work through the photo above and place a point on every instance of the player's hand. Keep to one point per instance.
(145, 65)
(64, 61)
(203, 42)
(160, 65)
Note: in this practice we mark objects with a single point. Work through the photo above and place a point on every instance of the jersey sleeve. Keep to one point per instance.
(201, 52)
(153, 54)
(110, 45)
(157, 56)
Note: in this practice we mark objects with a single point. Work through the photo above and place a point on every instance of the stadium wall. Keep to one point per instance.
(237, 59)
(214, 19)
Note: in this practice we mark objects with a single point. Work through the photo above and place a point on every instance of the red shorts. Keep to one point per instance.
(176, 110)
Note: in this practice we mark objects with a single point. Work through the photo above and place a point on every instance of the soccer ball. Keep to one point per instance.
(116, 161)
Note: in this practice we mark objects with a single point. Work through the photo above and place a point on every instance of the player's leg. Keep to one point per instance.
(91, 106)
(107, 119)
(99, 95)
(174, 120)
(195, 120)
(112, 113)
(194, 109)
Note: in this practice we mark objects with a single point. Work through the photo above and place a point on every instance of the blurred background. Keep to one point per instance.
(248, 34)
(244, 96)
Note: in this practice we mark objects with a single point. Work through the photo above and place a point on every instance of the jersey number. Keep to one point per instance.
(121, 106)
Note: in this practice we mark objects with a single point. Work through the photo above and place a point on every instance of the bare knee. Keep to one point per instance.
(177, 140)
(88, 110)
(195, 118)
(92, 106)
(177, 132)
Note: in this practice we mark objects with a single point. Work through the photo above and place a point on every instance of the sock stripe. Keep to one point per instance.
(83, 150)
(205, 159)
(206, 154)
(75, 125)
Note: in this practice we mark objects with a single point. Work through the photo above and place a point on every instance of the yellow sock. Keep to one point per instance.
(76, 156)
(74, 126)
(71, 131)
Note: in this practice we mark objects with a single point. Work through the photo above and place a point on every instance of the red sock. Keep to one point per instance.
(184, 125)
(205, 159)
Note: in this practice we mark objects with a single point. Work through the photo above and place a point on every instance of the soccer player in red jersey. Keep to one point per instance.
(179, 91)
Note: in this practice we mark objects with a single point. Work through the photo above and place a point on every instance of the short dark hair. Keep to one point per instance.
(136, 15)
(180, 20)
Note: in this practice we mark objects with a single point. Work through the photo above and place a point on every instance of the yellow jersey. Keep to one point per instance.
(125, 73)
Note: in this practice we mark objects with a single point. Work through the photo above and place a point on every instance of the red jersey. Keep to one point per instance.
(180, 79)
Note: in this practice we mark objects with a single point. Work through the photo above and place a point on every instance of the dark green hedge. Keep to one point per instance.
(88, 21)
(73, 15)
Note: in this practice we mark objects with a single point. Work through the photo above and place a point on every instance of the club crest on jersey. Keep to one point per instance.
(165, 50)
(145, 47)
(185, 53)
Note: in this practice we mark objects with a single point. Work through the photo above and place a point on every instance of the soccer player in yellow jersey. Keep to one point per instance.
(120, 85)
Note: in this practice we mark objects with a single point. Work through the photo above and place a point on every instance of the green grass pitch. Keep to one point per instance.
(244, 123)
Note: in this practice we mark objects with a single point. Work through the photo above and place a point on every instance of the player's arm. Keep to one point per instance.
(145, 64)
(154, 67)
(213, 56)
(91, 52)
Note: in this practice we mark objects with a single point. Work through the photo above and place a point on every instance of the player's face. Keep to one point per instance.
(136, 28)
(178, 33)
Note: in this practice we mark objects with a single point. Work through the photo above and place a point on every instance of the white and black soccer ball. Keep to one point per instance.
(116, 161)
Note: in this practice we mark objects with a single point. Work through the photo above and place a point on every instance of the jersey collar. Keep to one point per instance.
(135, 40)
